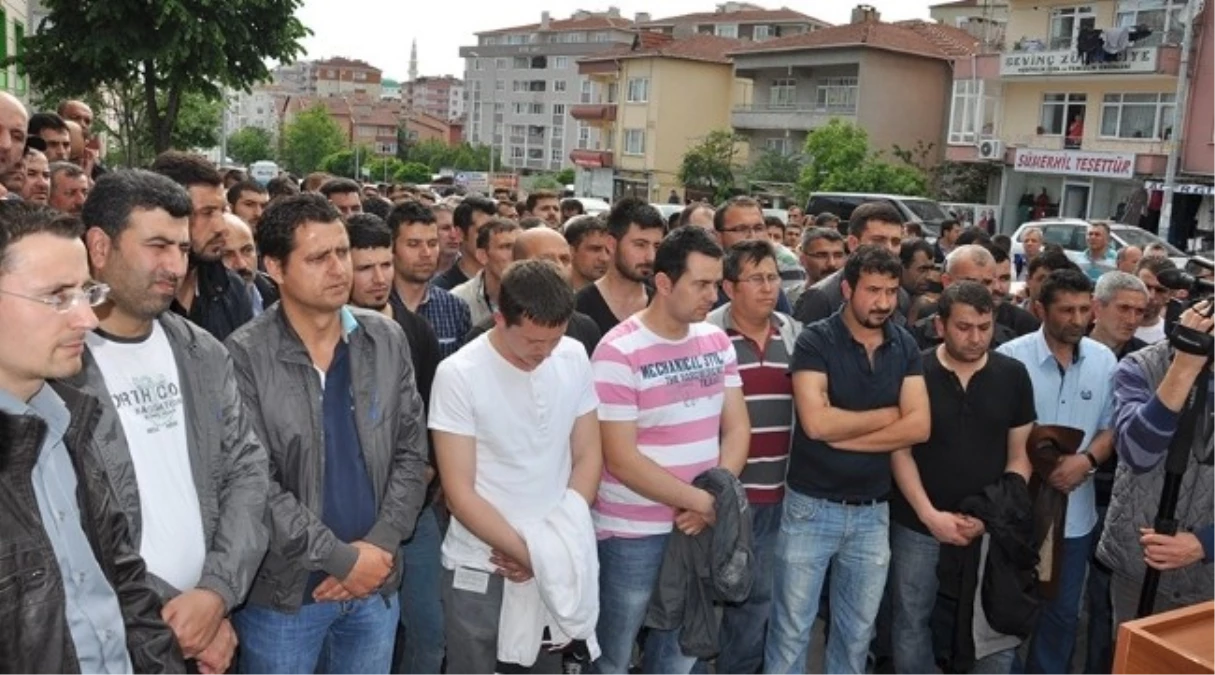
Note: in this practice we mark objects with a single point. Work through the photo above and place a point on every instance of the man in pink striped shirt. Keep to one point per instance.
(671, 407)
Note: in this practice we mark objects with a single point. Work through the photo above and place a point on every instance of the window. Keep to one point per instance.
(836, 94)
(639, 90)
(558, 109)
(501, 63)
(521, 62)
(783, 93)
(970, 105)
(487, 41)
(584, 136)
(518, 130)
(613, 92)
(609, 139)
(561, 62)
(634, 141)
(556, 155)
(535, 153)
(476, 64)
(517, 39)
(3, 48)
(559, 85)
(1058, 111)
(499, 85)
(588, 91)
(778, 145)
(601, 37)
(726, 30)
(1147, 116)
(1066, 22)
(761, 33)
(1163, 17)
(516, 152)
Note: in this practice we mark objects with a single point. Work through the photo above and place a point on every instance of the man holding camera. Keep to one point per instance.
(1152, 387)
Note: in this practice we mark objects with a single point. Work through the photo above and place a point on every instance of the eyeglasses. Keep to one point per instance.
(67, 300)
(759, 229)
(762, 280)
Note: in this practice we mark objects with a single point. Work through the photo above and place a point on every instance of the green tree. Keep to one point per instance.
(198, 122)
(197, 127)
(310, 138)
(545, 181)
(251, 144)
(838, 158)
(772, 166)
(412, 172)
(565, 177)
(164, 50)
(710, 164)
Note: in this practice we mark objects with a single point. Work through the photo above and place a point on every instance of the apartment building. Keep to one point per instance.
(737, 20)
(364, 120)
(442, 97)
(15, 16)
(338, 76)
(985, 20)
(255, 108)
(891, 79)
(295, 78)
(520, 83)
(654, 99)
(1088, 127)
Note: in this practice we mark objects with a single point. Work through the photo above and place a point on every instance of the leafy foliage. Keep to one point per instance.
(710, 165)
(251, 144)
(838, 158)
(772, 166)
(412, 172)
(436, 155)
(565, 177)
(161, 51)
(197, 126)
(310, 138)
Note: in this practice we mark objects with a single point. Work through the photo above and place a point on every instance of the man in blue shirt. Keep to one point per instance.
(1099, 257)
(76, 597)
(1073, 380)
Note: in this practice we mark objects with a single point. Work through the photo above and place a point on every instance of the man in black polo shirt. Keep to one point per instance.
(982, 413)
(859, 392)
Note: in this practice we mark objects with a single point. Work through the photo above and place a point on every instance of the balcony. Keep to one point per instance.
(767, 117)
(592, 159)
(594, 112)
(1162, 60)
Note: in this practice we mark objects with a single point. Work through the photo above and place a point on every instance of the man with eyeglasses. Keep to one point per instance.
(180, 450)
(1151, 330)
(85, 605)
(740, 219)
(763, 340)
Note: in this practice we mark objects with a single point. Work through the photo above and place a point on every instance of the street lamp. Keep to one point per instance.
(493, 105)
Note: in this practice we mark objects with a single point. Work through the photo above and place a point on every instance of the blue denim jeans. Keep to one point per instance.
(854, 543)
(1054, 639)
(354, 636)
(628, 571)
(743, 626)
(913, 595)
(420, 647)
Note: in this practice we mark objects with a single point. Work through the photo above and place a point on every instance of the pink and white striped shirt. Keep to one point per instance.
(674, 391)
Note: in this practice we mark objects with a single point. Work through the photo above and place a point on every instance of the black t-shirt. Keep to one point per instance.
(581, 327)
(924, 330)
(1018, 320)
(423, 349)
(816, 469)
(968, 448)
(590, 302)
(454, 276)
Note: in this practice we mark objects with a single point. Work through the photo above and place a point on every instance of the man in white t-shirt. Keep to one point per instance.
(671, 407)
(1151, 330)
(182, 458)
(514, 419)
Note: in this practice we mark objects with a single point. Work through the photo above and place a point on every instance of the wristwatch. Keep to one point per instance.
(1091, 460)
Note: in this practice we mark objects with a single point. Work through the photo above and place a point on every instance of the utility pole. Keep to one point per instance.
(1190, 14)
(223, 129)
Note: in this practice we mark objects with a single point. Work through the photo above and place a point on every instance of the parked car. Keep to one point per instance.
(667, 209)
(1070, 234)
(594, 206)
(926, 212)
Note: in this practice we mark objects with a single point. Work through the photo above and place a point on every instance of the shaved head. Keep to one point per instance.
(13, 122)
(543, 243)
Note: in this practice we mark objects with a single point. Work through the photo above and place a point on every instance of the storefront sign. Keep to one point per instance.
(1068, 62)
(1076, 163)
(1182, 188)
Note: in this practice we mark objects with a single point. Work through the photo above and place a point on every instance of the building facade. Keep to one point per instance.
(985, 20)
(736, 20)
(521, 82)
(645, 115)
(1061, 117)
(442, 97)
(857, 72)
(17, 17)
(256, 108)
(295, 78)
(340, 76)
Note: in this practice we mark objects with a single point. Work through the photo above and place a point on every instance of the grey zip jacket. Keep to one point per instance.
(227, 461)
(282, 393)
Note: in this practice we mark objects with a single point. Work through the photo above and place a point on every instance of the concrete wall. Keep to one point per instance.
(892, 110)
(1198, 153)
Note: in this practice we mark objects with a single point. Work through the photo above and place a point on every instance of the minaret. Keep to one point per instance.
(413, 60)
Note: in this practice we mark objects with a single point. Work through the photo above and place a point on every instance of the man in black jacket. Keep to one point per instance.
(76, 597)
(211, 296)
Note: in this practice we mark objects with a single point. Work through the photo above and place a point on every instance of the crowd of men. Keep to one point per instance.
(319, 426)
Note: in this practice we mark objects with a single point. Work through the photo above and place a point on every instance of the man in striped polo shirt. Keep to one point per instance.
(763, 340)
(671, 407)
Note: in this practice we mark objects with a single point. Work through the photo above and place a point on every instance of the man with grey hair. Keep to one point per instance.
(968, 262)
(69, 187)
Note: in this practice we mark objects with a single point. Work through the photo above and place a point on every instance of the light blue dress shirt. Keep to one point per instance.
(91, 607)
(1081, 397)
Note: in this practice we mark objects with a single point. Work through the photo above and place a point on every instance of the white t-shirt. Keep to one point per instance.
(1151, 334)
(142, 380)
(522, 422)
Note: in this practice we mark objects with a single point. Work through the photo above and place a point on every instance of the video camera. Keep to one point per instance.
(1195, 280)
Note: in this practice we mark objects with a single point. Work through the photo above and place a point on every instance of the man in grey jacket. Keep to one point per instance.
(179, 451)
(332, 394)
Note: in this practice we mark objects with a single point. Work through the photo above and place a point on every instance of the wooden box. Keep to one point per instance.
(1180, 641)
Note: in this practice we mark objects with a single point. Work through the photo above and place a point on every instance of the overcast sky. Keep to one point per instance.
(380, 31)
